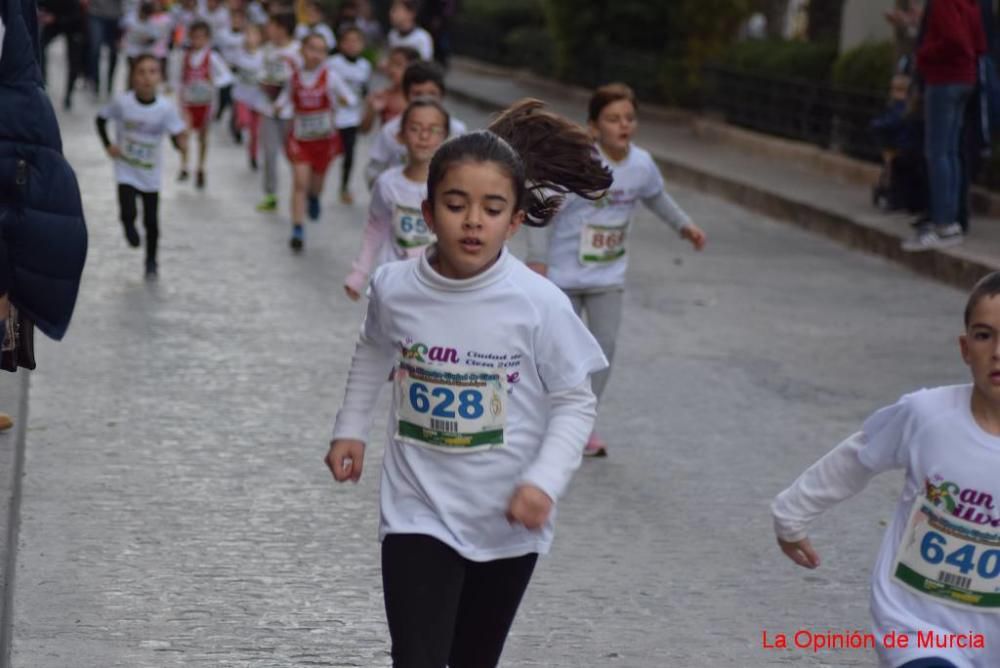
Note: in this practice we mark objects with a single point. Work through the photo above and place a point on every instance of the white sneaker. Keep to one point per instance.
(943, 236)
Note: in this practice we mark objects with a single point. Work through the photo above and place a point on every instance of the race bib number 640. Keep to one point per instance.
(450, 408)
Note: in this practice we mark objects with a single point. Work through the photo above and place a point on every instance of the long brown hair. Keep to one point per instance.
(545, 155)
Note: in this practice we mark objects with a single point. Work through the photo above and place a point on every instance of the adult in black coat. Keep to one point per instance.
(43, 236)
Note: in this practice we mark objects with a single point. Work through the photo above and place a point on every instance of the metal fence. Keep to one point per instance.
(807, 111)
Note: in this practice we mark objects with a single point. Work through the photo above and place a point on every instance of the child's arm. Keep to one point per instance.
(836, 477)
(110, 112)
(370, 367)
(379, 157)
(222, 75)
(538, 246)
(339, 90)
(571, 418)
(666, 209)
(377, 231)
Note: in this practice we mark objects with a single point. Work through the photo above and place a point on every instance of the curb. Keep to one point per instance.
(10, 505)
(954, 266)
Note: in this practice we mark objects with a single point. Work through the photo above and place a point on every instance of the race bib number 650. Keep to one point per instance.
(450, 408)
(950, 559)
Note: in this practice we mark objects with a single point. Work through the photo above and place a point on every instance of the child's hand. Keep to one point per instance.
(694, 234)
(346, 459)
(529, 506)
(353, 294)
(113, 151)
(539, 268)
(801, 552)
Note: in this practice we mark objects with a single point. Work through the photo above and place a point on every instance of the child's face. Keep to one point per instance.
(425, 89)
(237, 21)
(313, 52)
(351, 44)
(395, 68)
(146, 77)
(213, 4)
(422, 133)
(313, 15)
(275, 33)
(253, 37)
(473, 215)
(981, 348)
(615, 126)
(199, 39)
(401, 18)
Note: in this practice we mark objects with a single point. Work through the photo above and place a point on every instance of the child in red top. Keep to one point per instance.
(313, 92)
(202, 71)
(390, 101)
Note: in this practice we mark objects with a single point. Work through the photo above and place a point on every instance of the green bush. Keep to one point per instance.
(868, 67)
(504, 15)
(787, 59)
(530, 46)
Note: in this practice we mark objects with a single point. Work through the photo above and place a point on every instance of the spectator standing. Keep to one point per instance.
(64, 17)
(104, 19)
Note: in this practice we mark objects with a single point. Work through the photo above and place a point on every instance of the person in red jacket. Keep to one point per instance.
(947, 58)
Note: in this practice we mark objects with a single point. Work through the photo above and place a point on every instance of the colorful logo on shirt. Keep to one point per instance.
(968, 504)
(418, 351)
(615, 197)
(421, 352)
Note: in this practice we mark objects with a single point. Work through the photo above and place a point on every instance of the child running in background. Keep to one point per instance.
(937, 574)
(280, 58)
(313, 93)
(202, 71)
(147, 32)
(585, 249)
(141, 120)
(229, 42)
(406, 32)
(491, 404)
(420, 80)
(315, 22)
(396, 228)
(247, 63)
(357, 73)
(388, 103)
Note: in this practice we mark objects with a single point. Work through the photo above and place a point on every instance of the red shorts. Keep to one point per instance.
(198, 115)
(318, 154)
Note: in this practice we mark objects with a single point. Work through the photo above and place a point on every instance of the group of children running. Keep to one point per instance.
(495, 378)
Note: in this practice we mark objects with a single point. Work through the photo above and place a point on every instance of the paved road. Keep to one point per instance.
(176, 510)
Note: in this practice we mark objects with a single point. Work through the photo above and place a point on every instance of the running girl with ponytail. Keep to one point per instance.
(492, 402)
(396, 228)
(585, 249)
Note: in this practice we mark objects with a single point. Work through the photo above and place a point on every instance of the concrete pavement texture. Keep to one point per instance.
(176, 510)
(781, 179)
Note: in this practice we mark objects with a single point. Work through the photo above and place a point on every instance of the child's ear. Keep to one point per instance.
(515, 222)
(427, 209)
(963, 345)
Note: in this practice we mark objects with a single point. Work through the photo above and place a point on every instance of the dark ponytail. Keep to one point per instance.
(545, 155)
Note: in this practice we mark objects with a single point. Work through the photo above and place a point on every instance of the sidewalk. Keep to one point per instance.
(14, 402)
(792, 191)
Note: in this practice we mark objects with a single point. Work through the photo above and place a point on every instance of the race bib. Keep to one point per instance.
(409, 228)
(450, 408)
(138, 154)
(600, 244)
(949, 559)
(312, 126)
(247, 77)
(198, 93)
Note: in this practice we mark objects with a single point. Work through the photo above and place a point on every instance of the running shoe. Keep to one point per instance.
(268, 205)
(595, 447)
(199, 180)
(313, 207)
(151, 269)
(346, 197)
(183, 176)
(298, 239)
(253, 164)
(132, 235)
(930, 238)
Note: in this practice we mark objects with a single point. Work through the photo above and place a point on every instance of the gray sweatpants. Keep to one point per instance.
(604, 317)
(272, 139)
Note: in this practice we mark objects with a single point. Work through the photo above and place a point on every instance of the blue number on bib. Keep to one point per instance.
(470, 404)
(418, 398)
(930, 547)
(441, 410)
(962, 558)
(406, 224)
(989, 572)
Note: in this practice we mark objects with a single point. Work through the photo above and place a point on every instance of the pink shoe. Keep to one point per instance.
(595, 447)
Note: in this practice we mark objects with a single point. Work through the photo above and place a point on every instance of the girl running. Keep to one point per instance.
(389, 102)
(141, 120)
(202, 71)
(585, 251)
(247, 62)
(937, 575)
(357, 72)
(281, 57)
(313, 93)
(491, 402)
(396, 228)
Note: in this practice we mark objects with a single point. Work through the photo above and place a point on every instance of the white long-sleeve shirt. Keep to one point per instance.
(491, 391)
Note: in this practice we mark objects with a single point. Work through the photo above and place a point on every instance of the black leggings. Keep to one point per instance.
(445, 610)
(349, 137)
(150, 205)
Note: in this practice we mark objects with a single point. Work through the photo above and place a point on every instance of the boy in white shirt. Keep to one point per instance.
(316, 23)
(357, 73)
(937, 575)
(406, 32)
